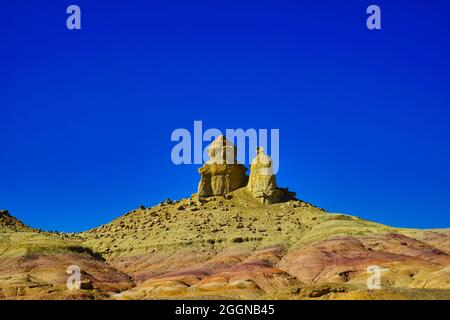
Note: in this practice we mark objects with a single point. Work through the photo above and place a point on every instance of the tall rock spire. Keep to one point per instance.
(261, 173)
(262, 182)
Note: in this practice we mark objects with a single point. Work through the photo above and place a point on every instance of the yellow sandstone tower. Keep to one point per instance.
(222, 174)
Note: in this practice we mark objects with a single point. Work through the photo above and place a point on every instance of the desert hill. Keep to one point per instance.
(238, 237)
(228, 246)
(233, 247)
(33, 265)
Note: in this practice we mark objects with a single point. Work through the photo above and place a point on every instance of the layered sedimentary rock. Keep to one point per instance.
(235, 247)
(34, 263)
(262, 182)
(261, 173)
(222, 173)
(226, 248)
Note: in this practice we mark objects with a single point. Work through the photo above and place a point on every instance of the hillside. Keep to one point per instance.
(228, 246)
(8, 223)
(238, 237)
(236, 247)
(33, 265)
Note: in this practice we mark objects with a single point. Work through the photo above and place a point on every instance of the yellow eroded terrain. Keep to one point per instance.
(228, 246)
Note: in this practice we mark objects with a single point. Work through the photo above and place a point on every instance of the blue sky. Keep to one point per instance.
(86, 116)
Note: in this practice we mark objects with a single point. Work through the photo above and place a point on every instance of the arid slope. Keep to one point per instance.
(228, 247)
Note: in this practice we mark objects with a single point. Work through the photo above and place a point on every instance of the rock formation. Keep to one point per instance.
(230, 247)
(261, 173)
(222, 173)
(227, 248)
(262, 182)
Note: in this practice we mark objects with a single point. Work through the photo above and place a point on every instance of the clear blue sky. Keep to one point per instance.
(86, 116)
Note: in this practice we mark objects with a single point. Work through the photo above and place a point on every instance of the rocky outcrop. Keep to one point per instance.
(222, 173)
(261, 178)
(262, 182)
(261, 173)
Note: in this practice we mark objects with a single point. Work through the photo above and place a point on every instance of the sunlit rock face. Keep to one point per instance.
(261, 173)
(222, 173)
(262, 182)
